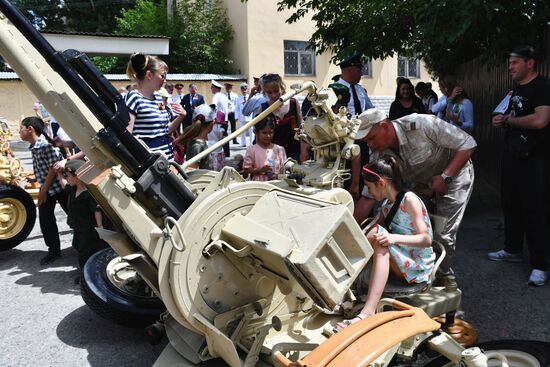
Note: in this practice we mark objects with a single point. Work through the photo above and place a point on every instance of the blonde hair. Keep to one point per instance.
(140, 64)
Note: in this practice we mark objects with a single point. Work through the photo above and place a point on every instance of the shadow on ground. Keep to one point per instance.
(107, 344)
(57, 277)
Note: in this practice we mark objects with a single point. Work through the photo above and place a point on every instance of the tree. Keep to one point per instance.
(97, 16)
(74, 15)
(199, 33)
(44, 14)
(444, 34)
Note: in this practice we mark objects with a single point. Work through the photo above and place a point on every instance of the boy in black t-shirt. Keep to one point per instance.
(525, 166)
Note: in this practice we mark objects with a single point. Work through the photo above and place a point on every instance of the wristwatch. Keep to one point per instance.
(447, 179)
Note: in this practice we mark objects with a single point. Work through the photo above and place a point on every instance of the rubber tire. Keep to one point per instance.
(15, 192)
(539, 350)
(105, 299)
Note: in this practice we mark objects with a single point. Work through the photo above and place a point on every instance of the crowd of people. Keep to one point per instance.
(414, 161)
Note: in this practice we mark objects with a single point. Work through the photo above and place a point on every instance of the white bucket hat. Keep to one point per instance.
(369, 118)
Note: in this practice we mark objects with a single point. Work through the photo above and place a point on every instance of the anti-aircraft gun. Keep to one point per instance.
(249, 272)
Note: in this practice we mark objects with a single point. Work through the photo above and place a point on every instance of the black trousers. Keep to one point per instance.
(226, 146)
(48, 221)
(525, 206)
(232, 121)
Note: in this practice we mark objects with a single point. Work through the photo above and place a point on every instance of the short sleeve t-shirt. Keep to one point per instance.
(524, 100)
(152, 116)
(257, 157)
(194, 148)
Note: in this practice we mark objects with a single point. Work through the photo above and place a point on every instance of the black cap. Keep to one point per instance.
(73, 165)
(353, 60)
(526, 52)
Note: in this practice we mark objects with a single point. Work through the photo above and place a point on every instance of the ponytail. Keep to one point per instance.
(140, 64)
(389, 168)
(193, 130)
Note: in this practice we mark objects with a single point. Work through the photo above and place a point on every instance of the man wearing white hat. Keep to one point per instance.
(222, 107)
(435, 161)
(243, 119)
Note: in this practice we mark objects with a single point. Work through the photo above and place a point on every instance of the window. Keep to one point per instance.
(367, 69)
(299, 58)
(408, 67)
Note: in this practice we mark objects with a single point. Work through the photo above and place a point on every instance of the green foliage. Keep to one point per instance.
(443, 33)
(73, 15)
(44, 14)
(98, 16)
(198, 32)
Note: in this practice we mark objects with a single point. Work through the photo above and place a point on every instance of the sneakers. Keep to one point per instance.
(538, 278)
(50, 257)
(502, 255)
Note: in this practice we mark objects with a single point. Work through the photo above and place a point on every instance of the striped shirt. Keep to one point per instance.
(151, 122)
(44, 156)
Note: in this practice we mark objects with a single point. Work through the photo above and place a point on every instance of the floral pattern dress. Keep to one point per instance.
(415, 263)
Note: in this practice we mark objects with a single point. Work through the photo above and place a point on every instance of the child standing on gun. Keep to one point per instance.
(264, 160)
(83, 215)
(403, 246)
(44, 156)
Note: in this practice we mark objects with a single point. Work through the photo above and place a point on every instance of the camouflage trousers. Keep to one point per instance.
(450, 210)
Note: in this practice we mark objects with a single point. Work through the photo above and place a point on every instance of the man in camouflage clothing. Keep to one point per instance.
(435, 161)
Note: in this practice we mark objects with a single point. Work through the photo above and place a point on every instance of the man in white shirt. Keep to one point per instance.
(221, 102)
(243, 119)
(352, 69)
(232, 97)
(179, 93)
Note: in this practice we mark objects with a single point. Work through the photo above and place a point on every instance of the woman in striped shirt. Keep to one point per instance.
(150, 118)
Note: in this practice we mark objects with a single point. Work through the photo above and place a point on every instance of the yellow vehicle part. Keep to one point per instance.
(12, 217)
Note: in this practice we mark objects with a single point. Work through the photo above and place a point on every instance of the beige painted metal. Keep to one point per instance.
(249, 265)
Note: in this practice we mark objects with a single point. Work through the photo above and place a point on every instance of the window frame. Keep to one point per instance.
(407, 61)
(308, 51)
(370, 71)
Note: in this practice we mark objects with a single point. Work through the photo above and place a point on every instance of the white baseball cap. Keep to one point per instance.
(208, 112)
(369, 118)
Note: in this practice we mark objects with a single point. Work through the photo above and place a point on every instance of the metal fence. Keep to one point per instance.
(486, 87)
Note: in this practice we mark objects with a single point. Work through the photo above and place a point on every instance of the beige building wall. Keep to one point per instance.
(258, 48)
(384, 74)
(258, 44)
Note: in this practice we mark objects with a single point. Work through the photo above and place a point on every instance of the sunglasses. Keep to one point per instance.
(163, 76)
(271, 78)
(371, 176)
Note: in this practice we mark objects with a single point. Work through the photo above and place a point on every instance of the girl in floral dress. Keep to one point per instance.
(404, 248)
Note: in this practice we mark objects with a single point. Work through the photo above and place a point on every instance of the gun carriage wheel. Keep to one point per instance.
(519, 353)
(17, 216)
(113, 290)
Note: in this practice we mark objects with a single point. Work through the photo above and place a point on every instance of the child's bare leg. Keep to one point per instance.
(378, 279)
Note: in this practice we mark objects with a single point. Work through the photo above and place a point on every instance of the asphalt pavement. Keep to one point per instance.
(46, 323)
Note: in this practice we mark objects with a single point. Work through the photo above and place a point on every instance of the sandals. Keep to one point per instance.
(345, 323)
